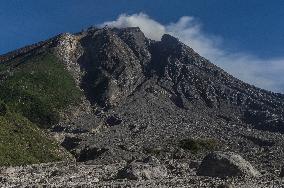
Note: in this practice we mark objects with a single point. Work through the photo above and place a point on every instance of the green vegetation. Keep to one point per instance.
(22, 142)
(38, 88)
(33, 91)
(197, 145)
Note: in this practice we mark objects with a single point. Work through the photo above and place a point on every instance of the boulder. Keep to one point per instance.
(219, 164)
(147, 169)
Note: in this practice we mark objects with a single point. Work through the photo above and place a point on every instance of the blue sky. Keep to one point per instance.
(255, 25)
(245, 31)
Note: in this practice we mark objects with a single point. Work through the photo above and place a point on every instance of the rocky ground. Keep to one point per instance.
(88, 175)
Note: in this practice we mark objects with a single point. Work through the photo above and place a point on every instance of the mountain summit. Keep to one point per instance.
(110, 95)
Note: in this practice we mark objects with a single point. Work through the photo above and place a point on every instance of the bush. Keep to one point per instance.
(197, 145)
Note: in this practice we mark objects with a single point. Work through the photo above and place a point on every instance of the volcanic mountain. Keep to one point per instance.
(109, 95)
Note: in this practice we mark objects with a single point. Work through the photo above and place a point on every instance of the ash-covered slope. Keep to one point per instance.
(149, 95)
(119, 62)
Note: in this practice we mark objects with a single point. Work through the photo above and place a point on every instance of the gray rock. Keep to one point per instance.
(148, 169)
(218, 164)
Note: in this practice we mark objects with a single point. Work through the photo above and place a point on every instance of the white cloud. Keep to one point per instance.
(264, 73)
(150, 27)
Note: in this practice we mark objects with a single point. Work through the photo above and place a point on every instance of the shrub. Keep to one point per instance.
(197, 145)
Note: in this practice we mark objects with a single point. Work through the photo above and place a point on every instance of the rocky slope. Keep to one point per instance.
(131, 98)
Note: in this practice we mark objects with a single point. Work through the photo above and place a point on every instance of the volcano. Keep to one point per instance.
(111, 95)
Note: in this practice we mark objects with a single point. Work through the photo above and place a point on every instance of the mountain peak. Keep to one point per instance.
(169, 39)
